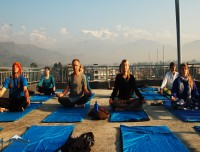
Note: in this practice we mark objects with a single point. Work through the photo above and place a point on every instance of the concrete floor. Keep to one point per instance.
(107, 136)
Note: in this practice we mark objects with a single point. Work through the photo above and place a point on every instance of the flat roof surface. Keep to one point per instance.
(107, 135)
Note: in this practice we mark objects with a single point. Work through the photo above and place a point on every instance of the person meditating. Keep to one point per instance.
(125, 86)
(18, 92)
(185, 94)
(76, 84)
(169, 78)
(46, 84)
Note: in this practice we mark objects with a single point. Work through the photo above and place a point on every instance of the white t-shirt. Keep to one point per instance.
(168, 80)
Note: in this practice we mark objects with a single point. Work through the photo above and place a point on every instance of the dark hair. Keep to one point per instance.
(120, 67)
(75, 60)
(172, 64)
(47, 68)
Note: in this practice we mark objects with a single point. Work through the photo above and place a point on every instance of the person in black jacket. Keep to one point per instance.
(125, 86)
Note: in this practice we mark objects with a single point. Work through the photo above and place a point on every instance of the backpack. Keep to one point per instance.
(78, 144)
(102, 113)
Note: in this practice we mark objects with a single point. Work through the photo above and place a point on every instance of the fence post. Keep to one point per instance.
(106, 73)
(62, 75)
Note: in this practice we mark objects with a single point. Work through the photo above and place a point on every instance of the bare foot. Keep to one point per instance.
(3, 109)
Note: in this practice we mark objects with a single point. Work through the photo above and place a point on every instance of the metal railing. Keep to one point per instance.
(107, 73)
(100, 73)
(32, 75)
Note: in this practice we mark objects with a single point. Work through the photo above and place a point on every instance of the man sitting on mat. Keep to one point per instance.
(47, 83)
(125, 86)
(76, 84)
(168, 80)
(18, 93)
(185, 94)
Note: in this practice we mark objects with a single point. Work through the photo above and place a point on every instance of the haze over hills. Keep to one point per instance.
(90, 52)
(191, 50)
(27, 54)
(104, 52)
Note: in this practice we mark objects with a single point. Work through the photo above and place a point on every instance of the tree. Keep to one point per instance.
(55, 65)
(33, 65)
(59, 65)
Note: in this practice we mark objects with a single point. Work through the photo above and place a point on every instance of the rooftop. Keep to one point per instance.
(107, 135)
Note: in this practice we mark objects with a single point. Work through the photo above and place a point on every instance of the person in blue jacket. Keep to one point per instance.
(184, 93)
(46, 84)
(18, 92)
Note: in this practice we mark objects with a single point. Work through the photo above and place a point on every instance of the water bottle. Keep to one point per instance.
(96, 107)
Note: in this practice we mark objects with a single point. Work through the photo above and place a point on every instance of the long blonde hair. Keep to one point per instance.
(128, 72)
(190, 80)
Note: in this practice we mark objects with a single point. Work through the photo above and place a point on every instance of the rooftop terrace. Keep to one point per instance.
(107, 135)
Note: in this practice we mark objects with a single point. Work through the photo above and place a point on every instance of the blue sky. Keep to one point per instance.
(64, 23)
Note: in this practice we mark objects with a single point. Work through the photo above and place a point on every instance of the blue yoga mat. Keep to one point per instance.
(1, 128)
(40, 98)
(148, 89)
(197, 128)
(150, 138)
(150, 95)
(128, 116)
(42, 138)
(68, 114)
(59, 90)
(185, 115)
(12, 116)
(91, 96)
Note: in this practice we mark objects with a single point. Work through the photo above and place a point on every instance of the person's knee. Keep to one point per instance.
(63, 100)
(60, 99)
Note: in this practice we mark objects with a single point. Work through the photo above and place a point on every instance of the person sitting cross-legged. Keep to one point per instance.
(77, 86)
(168, 80)
(46, 84)
(18, 92)
(185, 94)
(125, 86)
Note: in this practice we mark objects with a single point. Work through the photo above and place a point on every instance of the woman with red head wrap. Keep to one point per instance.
(18, 93)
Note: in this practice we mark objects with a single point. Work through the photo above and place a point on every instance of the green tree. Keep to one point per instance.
(59, 65)
(55, 65)
(33, 65)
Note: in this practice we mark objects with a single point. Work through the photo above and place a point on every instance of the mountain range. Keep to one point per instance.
(27, 54)
(102, 53)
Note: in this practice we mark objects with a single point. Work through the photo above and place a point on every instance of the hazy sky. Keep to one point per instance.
(60, 23)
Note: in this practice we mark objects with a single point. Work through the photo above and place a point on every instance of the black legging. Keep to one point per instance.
(13, 104)
(127, 105)
(46, 91)
(66, 102)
